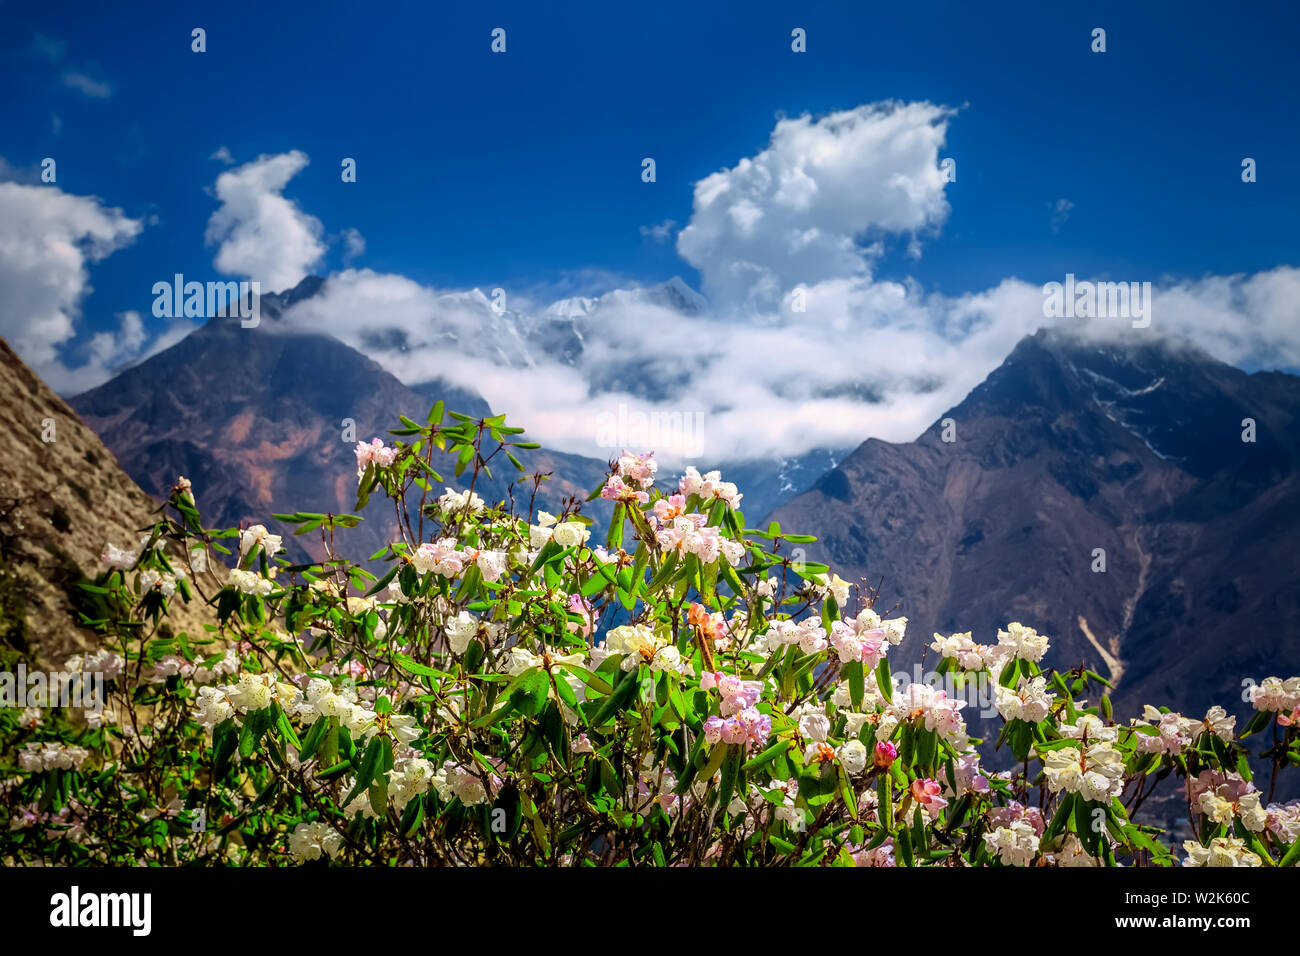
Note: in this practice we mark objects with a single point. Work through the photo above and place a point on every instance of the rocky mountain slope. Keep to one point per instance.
(255, 417)
(1070, 447)
(63, 498)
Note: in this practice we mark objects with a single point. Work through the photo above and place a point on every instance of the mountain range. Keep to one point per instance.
(1076, 454)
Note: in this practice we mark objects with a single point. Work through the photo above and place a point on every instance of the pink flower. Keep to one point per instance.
(374, 454)
(713, 729)
(747, 727)
(966, 772)
(666, 509)
(640, 468)
(928, 794)
(737, 694)
(882, 855)
(1005, 816)
(580, 606)
(616, 490)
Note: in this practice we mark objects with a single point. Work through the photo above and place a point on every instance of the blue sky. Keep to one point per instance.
(523, 169)
(478, 168)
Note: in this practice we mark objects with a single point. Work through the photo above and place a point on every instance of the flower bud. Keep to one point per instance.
(885, 755)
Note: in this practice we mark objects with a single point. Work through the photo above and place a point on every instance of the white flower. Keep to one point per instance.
(165, 583)
(309, 840)
(460, 629)
(249, 582)
(259, 691)
(667, 658)
(1097, 773)
(570, 534)
(812, 636)
(1030, 702)
(1217, 721)
(853, 755)
(251, 538)
(454, 502)
(1090, 726)
(118, 558)
(1275, 694)
(895, 628)
(961, 648)
(815, 725)
(836, 586)
(211, 707)
(1014, 845)
(1222, 851)
(1026, 643)
(408, 780)
(491, 564)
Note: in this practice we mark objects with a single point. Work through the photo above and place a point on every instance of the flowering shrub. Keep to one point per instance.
(513, 692)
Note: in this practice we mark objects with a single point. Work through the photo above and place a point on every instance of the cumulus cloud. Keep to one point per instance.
(48, 238)
(259, 233)
(810, 206)
(802, 347)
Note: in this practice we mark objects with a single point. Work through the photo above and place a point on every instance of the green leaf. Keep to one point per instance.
(369, 766)
(884, 680)
(225, 739)
(730, 770)
(412, 666)
(529, 693)
(315, 736)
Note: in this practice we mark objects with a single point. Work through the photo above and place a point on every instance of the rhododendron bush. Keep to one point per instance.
(680, 691)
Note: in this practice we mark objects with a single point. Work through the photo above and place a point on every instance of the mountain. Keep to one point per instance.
(1072, 446)
(63, 498)
(255, 418)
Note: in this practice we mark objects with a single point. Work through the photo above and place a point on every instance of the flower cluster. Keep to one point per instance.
(502, 686)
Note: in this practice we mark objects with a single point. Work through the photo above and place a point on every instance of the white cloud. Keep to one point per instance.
(222, 155)
(47, 239)
(95, 89)
(660, 232)
(865, 358)
(795, 214)
(354, 245)
(1060, 213)
(259, 233)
